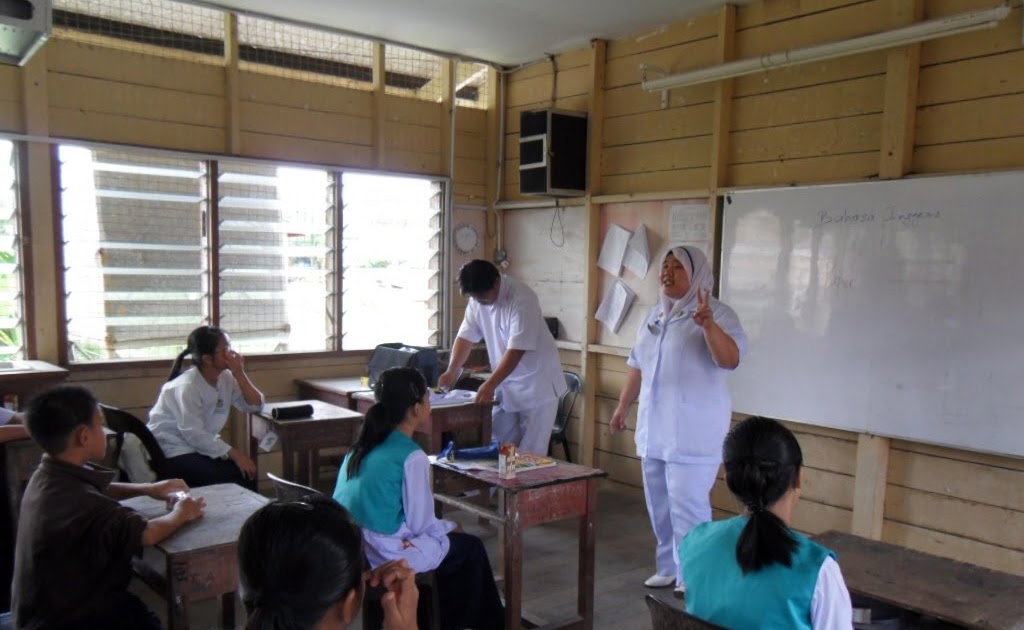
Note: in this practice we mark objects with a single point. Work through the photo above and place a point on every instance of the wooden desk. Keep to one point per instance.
(447, 418)
(959, 593)
(329, 426)
(337, 391)
(200, 560)
(532, 498)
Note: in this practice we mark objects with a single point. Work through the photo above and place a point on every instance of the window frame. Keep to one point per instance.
(212, 165)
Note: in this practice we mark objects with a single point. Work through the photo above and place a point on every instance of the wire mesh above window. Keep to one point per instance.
(134, 247)
(471, 84)
(176, 29)
(412, 73)
(296, 51)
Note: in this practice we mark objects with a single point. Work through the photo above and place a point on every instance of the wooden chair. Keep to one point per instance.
(665, 616)
(121, 422)
(565, 408)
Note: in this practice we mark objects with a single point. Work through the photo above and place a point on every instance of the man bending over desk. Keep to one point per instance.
(75, 542)
(526, 374)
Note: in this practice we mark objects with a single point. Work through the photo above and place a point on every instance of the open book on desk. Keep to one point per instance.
(525, 462)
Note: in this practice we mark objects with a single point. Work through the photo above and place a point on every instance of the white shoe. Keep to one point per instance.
(659, 581)
(679, 592)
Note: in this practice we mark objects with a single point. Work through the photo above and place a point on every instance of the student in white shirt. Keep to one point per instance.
(193, 407)
(526, 378)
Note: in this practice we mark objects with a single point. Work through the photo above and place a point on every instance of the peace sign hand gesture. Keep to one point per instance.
(703, 315)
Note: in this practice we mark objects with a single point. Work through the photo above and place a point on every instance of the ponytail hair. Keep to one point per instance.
(295, 561)
(762, 462)
(397, 390)
(201, 341)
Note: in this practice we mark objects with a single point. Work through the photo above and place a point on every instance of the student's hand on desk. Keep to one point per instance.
(399, 603)
(244, 463)
(485, 395)
(162, 490)
(189, 509)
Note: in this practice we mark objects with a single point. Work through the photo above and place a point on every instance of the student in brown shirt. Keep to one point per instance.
(75, 541)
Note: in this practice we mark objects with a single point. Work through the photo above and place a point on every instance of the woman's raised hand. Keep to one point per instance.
(703, 314)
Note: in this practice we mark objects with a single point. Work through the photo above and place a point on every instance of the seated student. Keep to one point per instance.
(75, 541)
(753, 571)
(12, 425)
(384, 481)
(193, 407)
(300, 565)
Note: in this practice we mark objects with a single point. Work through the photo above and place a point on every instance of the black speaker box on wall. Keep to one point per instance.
(553, 153)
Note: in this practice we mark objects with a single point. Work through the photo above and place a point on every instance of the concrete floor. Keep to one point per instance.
(625, 558)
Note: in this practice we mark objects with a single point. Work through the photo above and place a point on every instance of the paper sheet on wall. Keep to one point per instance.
(613, 308)
(638, 253)
(688, 224)
(613, 250)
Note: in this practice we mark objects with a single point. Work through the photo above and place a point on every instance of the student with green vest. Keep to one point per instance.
(384, 482)
(753, 571)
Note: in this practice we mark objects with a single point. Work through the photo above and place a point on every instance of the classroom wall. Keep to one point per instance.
(950, 105)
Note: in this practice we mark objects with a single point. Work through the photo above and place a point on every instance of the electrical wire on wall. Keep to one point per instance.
(557, 216)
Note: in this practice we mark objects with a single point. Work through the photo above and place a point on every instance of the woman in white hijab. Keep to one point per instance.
(677, 367)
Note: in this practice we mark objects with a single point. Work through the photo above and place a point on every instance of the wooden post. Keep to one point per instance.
(722, 120)
(869, 485)
(900, 107)
(591, 277)
(447, 130)
(41, 217)
(232, 115)
(378, 105)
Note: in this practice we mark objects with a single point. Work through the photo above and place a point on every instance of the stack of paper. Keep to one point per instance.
(615, 305)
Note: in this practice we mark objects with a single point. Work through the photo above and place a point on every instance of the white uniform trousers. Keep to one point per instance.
(529, 429)
(678, 498)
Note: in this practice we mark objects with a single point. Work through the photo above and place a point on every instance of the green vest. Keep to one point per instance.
(374, 495)
(777, 596)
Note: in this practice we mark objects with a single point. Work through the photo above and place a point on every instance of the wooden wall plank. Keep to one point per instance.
(809, 74)
(689, 55)
(304, 150)
(413, 162)
(680, 179)
(766, 11)
(113, 64)
(994, 75)
(412, 111)
(403, 137)
(665, 124)
(957, 517)
(1003, 38)
(136, 101)
(980, 155)
(831, 168)
(843, 22)
(838, 99)
(11, 116)
(307, 95)
(688, 30)
(570, 82)
(629, 100)
(301, 123)
(969, 481)
(976, 119)
(121, 129)
(10, 83)
(964, 549)
(575, 58)
(657, 156)
(838, 136)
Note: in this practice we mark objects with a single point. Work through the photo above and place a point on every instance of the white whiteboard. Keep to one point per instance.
(893, 308)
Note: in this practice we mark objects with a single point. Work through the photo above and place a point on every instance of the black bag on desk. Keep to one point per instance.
(389, 355)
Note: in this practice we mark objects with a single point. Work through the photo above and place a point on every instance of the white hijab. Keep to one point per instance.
(699, 271)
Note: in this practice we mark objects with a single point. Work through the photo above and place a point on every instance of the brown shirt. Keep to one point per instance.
(74, 546)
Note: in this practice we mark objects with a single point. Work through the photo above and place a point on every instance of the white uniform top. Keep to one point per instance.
(5, 415)
(190, 413)
(426, 534)
(684, 403)
(831, 608)
(514, 322)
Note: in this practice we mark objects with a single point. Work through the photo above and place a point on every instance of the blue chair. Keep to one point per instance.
(565, 409)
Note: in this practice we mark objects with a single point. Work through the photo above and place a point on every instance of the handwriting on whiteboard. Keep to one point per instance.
(903, 218)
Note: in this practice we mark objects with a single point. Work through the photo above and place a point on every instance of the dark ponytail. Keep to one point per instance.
(397, 390)
(201, 341)
(762, 462)
(295, 561)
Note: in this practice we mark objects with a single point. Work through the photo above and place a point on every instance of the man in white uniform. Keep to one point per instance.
(526, 377)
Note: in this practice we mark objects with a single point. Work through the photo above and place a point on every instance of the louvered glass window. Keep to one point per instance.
(391, 252)
(135, 263)
(12, 329)
(276, 257)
